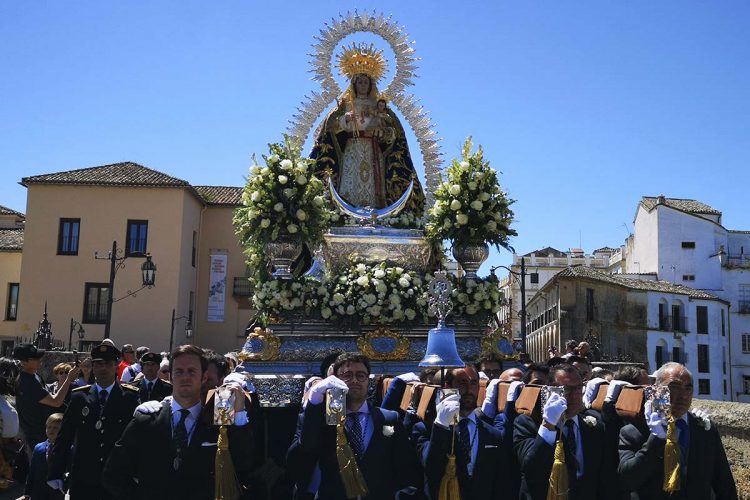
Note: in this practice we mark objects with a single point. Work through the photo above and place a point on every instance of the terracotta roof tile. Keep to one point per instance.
(11, 239)
(546, 252)
(221, 195)
(10, 211)
(634, 284)
(116, 174)
(685, 205)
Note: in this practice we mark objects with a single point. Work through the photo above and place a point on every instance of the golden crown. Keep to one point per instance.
(361, 59)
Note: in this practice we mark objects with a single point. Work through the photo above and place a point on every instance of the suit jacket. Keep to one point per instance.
(141, 464)
(388, 465)
(92, 445)
(36, 480)
(486, 482)
(642, 464)
(504, 422)
(160, 390)
(535, 459)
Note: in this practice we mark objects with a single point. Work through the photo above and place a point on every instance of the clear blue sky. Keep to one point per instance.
(583, 106)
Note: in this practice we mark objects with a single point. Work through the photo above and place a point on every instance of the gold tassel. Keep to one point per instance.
(449, 487)
(227, 486)
(354, 482)
(671, 459)
(558, 478)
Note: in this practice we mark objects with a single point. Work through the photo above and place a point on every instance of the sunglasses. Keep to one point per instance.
(63, 372)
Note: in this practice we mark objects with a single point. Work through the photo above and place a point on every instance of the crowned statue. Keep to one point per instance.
(361, 143)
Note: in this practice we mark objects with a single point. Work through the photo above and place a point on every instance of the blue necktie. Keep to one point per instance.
(356, 436)
(684, 441)
(464, 440)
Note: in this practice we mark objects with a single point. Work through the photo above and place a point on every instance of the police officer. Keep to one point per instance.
(94, 421)
(151, 387)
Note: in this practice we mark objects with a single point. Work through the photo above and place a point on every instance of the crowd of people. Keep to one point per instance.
(129, 423)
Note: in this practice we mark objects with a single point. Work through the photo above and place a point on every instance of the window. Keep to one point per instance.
(678, 322)
(746, 342)
(534, 277)
(746, 384)
(11, 310)
(701, 313)
(723, 327)
(743, 304)
(589, 304)
(67, 237)
(725, 387)
(135, 240)
(95, 303)
(688, 244)
(677, 355)
(195, 246)
(191, 302)
(663, 318)
(703, 358)
(688, 277)
(704, 386)
(659, 356)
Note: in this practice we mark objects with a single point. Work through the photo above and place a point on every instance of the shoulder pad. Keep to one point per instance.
(82, 388)
(129, 387)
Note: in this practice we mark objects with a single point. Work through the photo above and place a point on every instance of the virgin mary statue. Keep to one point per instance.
(361, 142)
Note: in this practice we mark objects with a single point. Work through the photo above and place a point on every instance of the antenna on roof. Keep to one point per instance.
(627, 229)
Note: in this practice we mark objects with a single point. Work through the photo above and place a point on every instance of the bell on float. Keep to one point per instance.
(441, 348)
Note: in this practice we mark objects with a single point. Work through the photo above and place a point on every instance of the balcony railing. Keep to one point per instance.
(241, 287)
(737, 260)
(673, 324)
(743, 307)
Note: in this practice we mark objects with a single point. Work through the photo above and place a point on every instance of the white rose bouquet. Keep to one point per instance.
(470, 206)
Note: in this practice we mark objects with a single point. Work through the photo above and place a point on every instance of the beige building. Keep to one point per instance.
(11, 246)
(186, 229)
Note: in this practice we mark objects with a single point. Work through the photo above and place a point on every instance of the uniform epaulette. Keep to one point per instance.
(166, 382)
(129, 387)
(82, 388)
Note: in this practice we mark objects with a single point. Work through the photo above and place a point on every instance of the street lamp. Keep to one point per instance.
(522, 281)
(81, 333)
(117, 262)
(43, 336)
(188, 328)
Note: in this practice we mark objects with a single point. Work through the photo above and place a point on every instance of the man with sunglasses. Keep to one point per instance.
(581, 432)
(376, 436)
(704, 469)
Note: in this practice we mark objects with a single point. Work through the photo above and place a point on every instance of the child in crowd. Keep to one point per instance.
(36, 482)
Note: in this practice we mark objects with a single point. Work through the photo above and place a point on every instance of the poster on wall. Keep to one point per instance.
(217, 283)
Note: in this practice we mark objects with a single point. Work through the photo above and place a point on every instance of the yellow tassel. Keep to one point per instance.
(227, 486)
(354, 482)
(671, 459)
(449, 488)
(558, 478)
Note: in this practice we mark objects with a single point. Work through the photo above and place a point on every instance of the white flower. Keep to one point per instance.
(472, 186)
(325, 312)
(292, 228)
(462, 219)
(455, 205)
(589, 420)
(491, 225)
(362, 281)
(301, 180)
(484, 196)
(464, 165)
(455, 189)
(301, 215)
(350, 310)
(477, 205)
(394, 299)
(279, 207)
(286, 164)
(447, 224)
(410, 313)
(265, 223)
(265, 171)
(318, 201)
(288, 192)
(403, 282)
(388, 430)
(370, 298)
(338, 298)
(379, 273)
(283, 178)
(255, 169)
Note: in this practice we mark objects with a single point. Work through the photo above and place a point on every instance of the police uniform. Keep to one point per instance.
(158, 389)
(94, 428)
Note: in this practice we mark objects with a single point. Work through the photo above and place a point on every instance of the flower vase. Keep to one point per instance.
(470, 256)
(282, 253)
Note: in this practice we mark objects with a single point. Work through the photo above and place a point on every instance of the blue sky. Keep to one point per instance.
(583, 106)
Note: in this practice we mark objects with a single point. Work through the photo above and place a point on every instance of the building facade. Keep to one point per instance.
(11, 248)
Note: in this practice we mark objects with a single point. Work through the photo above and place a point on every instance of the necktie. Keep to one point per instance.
(464, 441)
(180, 432)
(569, 440)
(356, 437)
(102, 398)
(149, 386)
(684, 441)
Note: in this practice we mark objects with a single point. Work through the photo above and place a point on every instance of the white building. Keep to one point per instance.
(684, 242)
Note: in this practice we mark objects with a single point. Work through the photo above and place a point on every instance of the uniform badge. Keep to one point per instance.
(176, 463)
(85, 411)
(98, 425)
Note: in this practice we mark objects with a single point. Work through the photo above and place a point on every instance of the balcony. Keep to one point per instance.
(241, 287)
(743, 307)
(673, 324)
(737, 260)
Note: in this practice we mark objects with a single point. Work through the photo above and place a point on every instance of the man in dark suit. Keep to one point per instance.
(477, 446)
(94, 421)
(704, 470)
(151, 387)
(582, 435)
(378, 440)
(170, 453)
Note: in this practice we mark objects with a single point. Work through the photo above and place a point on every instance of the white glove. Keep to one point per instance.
(554, 408)
(698, 413)
(613, 391)
(318, 391)
(149, 407)
(409, 377)
(592, 389)
(447, 411)
(310, 382)
(489, 406)
(515, 390)
(56, 484)
(656, 421)
(483, 376)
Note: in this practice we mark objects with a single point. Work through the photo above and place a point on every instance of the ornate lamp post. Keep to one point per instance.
(43, 335)
(81, 333)
(521, 278)
(188, 328)
(117, 262)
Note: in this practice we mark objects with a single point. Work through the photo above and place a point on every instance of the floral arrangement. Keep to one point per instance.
(281, 198)
(478, 298)
(405, 220)
(470, 207)
(276, 297)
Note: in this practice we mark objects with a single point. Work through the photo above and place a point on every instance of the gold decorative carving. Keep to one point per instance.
(490, 343)
(270, 342)
(399, 352)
